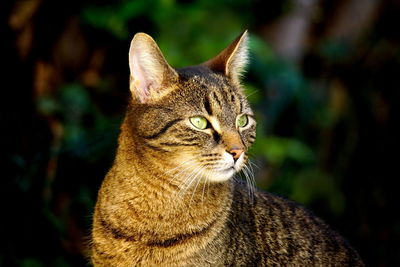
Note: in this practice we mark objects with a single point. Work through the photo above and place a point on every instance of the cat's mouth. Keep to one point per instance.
(235, 168)
(228, 170)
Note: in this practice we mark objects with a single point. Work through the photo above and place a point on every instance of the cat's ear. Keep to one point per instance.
(151, 75)
(233, 59)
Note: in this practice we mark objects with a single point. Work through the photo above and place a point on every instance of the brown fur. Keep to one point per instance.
(165, 201)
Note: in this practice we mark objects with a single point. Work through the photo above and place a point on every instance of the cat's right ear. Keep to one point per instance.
(151, 75)
(233, 59)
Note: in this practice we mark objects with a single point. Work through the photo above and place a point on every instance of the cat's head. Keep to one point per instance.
(195, 119)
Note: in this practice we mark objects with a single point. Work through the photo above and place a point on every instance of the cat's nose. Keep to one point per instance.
(235, 152)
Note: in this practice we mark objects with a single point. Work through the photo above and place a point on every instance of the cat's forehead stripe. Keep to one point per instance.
(226, 96)
(207, 105)
(215, 97)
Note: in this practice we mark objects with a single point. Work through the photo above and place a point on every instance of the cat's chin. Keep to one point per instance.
(222, 175)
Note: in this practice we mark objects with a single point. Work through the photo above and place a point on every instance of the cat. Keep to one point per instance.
(170, 198)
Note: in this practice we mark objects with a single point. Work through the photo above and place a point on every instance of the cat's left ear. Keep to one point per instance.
(233, 59)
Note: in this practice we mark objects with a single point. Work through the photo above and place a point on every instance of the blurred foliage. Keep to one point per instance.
(325, 121)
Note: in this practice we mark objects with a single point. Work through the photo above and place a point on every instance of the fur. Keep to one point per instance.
(170, 199)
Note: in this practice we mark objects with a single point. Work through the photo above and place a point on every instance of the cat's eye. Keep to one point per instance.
(199, 122)
(242, 120)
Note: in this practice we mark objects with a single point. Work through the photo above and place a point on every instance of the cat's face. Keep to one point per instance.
(197, 118)
(205, 126)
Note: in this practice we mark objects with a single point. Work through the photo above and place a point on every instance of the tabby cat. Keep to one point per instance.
(170, 198)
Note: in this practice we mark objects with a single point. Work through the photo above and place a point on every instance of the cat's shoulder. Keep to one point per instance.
(291, 227)
(276, 208)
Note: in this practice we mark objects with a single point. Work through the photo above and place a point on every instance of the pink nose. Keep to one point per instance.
(236, 152)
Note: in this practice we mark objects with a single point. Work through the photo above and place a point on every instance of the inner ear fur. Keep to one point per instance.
(151, 75)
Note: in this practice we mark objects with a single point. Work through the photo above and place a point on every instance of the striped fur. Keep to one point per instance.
(170, 199)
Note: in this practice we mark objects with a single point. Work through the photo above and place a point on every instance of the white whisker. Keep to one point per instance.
(194, 191)
(251, 163)
(192, 178)
(180, 165)
(252, 93)
(189, 165)
(250, 181)
(183, 185)
(204, 187)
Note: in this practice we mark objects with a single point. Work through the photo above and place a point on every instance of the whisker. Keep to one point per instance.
(188, 180)
(250, 181)
(252, 172)
(252, 93)
(235, 177)
(180, 165)
(204, 186)
(194, 191)
(253, 180)
(184, 184)
(251, 163)
(187, 167)
(208, 187)
(208, 182)
(192, 178)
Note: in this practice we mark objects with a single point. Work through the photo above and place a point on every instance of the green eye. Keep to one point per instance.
(199, 122)
(242, 121)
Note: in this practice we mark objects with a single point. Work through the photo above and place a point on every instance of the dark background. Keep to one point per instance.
(323, 80)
